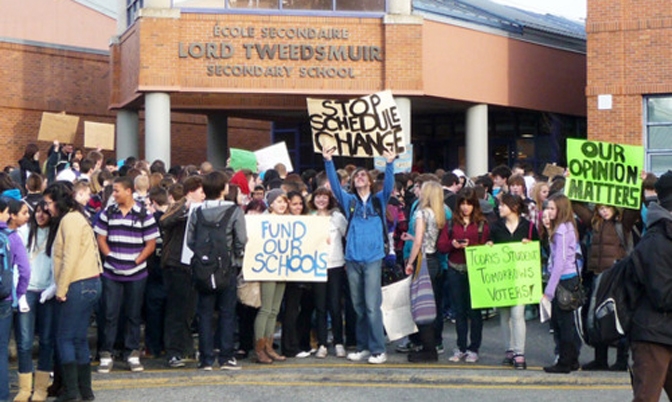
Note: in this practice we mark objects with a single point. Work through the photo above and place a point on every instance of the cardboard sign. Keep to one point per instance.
(58, 127)
(551, 170)
(504, 275)
(243, 159)
(402, 164)
(268, 157)
(362, 127)
(98, 135)
(286, 248)
(604, 173)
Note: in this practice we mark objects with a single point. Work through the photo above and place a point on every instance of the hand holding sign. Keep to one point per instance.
(328, 153)
(389, 156)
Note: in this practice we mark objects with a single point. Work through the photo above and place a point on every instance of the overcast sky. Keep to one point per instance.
(574, 9)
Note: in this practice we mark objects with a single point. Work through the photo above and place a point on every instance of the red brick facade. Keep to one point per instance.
(629, 57)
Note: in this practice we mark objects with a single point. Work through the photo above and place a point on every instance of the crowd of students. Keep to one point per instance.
(104, 239)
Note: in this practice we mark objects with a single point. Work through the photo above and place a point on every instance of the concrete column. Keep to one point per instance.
(218, 140)
(402, 7)
(128, 139)
(404, 109)
(157, 127)
(122, 18)
(476, 140)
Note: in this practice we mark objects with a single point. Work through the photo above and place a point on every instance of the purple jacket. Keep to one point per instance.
(563, 256)
(21, 261)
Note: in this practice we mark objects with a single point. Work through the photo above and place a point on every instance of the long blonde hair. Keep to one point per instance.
(431, 196)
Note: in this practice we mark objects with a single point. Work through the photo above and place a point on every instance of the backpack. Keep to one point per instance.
(609, 310)
(378, 209)
(6, 270)
(211, 266)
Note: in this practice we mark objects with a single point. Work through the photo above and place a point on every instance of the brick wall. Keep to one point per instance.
(628, 57)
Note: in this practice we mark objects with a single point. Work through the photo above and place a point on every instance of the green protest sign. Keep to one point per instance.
(243, 159)
(503, 275)
(604, 173)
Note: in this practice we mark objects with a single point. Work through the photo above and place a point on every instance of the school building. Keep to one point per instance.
(477, 83)
(629, 89)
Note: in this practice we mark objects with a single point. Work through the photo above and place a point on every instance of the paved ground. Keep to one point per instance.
(335, 379)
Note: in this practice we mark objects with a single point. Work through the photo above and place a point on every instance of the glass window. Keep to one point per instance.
(254, 4)
(308, 4)
(658, 117)
(360, 5)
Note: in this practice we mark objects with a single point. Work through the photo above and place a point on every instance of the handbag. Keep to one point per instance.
(570, 299)
(423, 306)
(249, 292)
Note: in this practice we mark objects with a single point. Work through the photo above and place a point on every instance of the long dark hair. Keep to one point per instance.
(32, 223)
(62, 194)
(467, 195)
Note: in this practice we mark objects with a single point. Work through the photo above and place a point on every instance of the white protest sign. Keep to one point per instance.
(286, 248)
(402, 164)
(268, 157)
(396, 309)
(361, 127)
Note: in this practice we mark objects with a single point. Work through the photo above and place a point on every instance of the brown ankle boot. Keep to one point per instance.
(271, 352)
(260, 350)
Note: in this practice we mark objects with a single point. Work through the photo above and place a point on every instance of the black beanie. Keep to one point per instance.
(664, 190)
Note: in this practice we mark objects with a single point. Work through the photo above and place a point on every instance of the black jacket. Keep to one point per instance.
(174, 225)
(499, 233)
(652, 321)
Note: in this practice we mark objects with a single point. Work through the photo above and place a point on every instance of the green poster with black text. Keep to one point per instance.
(504, 275)
(604, 173)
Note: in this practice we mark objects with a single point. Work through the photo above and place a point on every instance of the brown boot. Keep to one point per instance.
(41, 384)
(271, 352)
(260, 350)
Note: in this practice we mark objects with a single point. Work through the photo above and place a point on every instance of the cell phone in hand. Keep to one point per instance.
(462, 241)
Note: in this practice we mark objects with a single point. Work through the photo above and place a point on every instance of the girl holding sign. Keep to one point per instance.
(468, 228)
(271, 295)
(512, 227)
(562, 266)
(328, 295)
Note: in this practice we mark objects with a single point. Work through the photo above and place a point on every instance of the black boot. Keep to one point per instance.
(84, 380)
(622, 357)
(428, 351)
(601, 360)
(567, 358)
(56, 387)
(70, 383)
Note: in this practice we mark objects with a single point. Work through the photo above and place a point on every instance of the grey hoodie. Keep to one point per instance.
(236, 233)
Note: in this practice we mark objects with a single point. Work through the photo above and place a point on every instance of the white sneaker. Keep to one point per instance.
(378, 359)
(340, 350)
(302, 355)
(359, 356)
(321, 352)
(457, 356)
(472, 357)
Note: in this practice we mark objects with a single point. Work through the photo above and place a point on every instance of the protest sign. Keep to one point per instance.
(362, 127)
(604, 173)
(98, 135)
(503, 275)
(286, 248)
(402, 164)
(551, 170)
(243, 159)
(396, 308)
(58, 127)
(268, 157)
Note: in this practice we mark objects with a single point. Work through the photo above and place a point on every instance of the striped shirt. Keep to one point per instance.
(126, 237)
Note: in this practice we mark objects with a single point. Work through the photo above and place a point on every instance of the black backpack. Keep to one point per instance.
(610, 308)
(211, 263)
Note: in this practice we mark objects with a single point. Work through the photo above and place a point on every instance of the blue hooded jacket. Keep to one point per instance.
(365, 241)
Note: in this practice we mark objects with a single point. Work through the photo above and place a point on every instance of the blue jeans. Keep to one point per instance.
(129, 295)
(72, 321)
(40, 318)
(367, 297)
(5, 329)
(225, 301)
(464, 314)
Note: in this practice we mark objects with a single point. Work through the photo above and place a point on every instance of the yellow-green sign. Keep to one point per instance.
(504, 275)
(604, 173)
